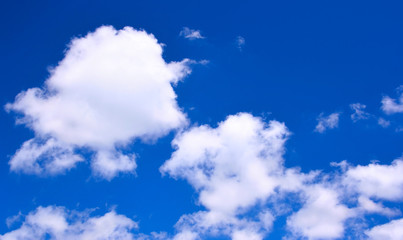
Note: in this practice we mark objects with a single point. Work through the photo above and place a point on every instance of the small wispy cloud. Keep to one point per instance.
(240, 42)
(10, 221)
(327, 122)
(383, 122)
(204, 62)
(191, 34)
(359, 112)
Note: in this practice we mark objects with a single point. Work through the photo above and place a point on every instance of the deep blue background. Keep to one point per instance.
(301, 58)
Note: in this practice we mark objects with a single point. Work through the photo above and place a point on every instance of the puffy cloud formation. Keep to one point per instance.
(214, 161)
(322, 216)
(327, 122)
(233, 167)
(50, 156)
(237, 170)
(351, 194)
(111, 87)
(190, 34)
(358, 112)
(243, 186)
(57, 223)
(377, 181)
(391, 106)
(389, 231)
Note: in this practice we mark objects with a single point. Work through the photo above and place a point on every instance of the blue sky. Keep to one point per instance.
(201, 120)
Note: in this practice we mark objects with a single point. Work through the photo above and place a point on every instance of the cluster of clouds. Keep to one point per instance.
(59, 223)
(389, 106)
(238, 172)
(114, 87)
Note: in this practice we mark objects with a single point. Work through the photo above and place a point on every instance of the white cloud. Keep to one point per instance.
(209, 223)
(107, 164)
(240, 42)
(391, 106)
(237, 170)
(49, 157)
(186, 235)
(322, 216)
(324, 213)
(327, 122)
(246, 235)
(232, 162)
(153, 236)
(233, 167)
(389, 231)
(370, 206)
(190, 33)
(111, 87)
(57, 223)
(359, 112)
(377, 181)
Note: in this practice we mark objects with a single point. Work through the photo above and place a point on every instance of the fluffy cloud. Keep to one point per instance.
(48, 157)
(389, 231)
(327, 122)
(233, 167)
(359, 112)
(391, 106)
(322, 216)
(324, 213)
(370, 206)
(190, 33)
(237, 157)
(111, 87)
(58, 223)
(377, 181)
(237, 170)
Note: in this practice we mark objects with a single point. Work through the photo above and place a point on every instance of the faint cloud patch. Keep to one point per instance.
(383, 122)
(191, 34)
(240, 42)
(204, 62)
(359, 112)
(327, 122)
(399, 129)
(10, 221)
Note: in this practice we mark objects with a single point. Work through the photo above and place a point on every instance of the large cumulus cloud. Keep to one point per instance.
(111, 87)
